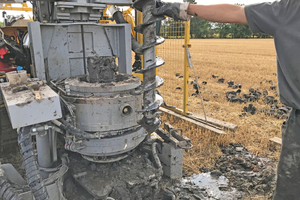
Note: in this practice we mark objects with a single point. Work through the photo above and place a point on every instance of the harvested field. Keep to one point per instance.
(249, 62)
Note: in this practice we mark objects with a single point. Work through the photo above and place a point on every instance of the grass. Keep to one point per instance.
(249, 62)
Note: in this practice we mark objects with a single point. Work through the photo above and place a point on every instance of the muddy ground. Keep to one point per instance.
(237, 174)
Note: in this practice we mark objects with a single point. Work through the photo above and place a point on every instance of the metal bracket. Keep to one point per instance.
(174, 137)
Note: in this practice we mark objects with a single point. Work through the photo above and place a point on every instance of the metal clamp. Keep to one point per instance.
(183, 142)
(176, 130)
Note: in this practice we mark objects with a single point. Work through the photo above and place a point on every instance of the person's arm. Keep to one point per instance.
(223, 13)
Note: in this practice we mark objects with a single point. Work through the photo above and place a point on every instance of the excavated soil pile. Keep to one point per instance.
(245, 171)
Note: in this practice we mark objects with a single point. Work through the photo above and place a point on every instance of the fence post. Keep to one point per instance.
(186, 67)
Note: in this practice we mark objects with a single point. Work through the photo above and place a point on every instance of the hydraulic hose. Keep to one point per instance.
(118, 17)
(34, 178)
(63, 124)
(7, 192)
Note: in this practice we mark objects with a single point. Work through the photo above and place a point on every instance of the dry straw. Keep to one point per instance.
(249, 62)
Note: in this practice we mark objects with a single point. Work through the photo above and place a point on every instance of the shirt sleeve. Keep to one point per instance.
(266, 17)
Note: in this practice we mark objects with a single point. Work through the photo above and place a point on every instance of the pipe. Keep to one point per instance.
(7, 192)
(118, 17)
(34, 178)
(43, 149)
(157, 161)
(73, 130)
(53, 143)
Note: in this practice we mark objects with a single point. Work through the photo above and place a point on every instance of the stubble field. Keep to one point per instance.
(249, 62)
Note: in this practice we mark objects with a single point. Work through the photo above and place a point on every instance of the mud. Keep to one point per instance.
(135, 177)
(246, 172)
(102, 69)
(122, 82)
(236, 175)
(208, 186)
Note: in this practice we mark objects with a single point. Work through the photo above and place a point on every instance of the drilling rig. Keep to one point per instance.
(83, 120)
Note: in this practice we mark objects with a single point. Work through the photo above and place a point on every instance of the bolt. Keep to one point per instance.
(149, 121)
(33, 130)
(62, 9)
(80, 174)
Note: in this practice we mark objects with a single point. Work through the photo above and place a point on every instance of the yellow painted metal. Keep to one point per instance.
(107, 22)
(129, 18)
(105, 11)
(105, 14)
(139, 20)
(177, 110)
(8, 6)
(186, 67)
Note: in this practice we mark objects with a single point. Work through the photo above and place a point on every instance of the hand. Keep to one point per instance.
(177, 11)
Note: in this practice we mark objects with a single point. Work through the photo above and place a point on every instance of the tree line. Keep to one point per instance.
(204, 29)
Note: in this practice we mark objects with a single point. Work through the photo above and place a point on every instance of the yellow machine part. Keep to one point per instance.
(8, 6)
(128, 17)
(106, 15)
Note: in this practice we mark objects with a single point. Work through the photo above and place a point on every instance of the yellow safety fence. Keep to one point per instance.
(175, 72)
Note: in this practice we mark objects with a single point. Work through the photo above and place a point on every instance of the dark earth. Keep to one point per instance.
(237, 174)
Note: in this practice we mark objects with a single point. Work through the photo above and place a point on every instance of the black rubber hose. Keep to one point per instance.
(135, 46)
(34, 178)
(7, 192)
(75, 131)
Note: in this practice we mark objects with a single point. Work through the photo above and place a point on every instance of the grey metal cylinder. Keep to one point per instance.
(110, 107)
(111, 112)
(43, 149)
(53, 142)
